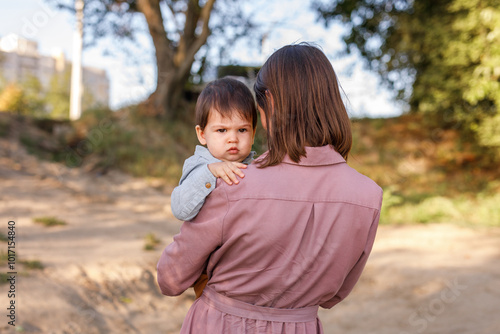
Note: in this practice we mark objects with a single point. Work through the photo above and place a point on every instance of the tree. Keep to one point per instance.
(441, 56)
(25, 98)
(178, 29)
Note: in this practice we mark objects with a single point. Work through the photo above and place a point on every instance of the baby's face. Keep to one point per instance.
(227, 139)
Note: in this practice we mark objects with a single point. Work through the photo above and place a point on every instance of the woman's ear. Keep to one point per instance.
(201, 135)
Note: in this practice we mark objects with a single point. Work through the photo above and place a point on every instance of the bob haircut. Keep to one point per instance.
(227, 96)
(298, 91)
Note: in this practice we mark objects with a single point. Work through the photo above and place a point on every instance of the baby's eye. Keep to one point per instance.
(221, 130)
(243, 130)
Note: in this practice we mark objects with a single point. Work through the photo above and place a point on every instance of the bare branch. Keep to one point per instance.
(152, 13)
(174, 18)
(200, 40)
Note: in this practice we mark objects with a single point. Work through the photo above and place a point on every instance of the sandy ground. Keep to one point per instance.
(97, 278)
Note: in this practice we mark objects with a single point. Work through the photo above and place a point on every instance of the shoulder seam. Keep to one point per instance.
(307, 200)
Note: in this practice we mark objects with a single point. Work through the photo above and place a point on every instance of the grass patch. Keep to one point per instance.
(4, 126)
(3, 258)
(3, 237)
(32, 264)
(49, 221)
(3, 278)
(151, 241)
(126, 300)
(482, 210)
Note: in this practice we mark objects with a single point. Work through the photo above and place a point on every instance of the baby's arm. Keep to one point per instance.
(197, 182)
(227, 171)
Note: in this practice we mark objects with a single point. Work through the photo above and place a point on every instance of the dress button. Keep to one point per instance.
(208, 185)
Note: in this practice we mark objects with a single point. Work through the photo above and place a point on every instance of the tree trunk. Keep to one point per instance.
(173, 60)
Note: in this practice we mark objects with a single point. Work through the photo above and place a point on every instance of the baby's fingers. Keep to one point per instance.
(239, 165)
(231, 174)
(235, 167)
(225, 177)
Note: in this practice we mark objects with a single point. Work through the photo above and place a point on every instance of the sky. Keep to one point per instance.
(132, 79)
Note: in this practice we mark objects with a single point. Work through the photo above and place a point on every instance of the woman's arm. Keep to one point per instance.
(353, 276)
(183, 261)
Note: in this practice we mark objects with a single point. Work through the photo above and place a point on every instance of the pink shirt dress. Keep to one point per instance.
(284, 241)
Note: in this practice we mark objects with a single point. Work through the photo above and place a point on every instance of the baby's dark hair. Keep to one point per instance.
(227, 96)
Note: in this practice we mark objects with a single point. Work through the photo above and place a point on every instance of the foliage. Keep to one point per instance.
(29, 98)
(11, 98)
(25, 98)
(442, 56)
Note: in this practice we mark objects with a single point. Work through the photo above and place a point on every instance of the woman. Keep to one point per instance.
(296, 232)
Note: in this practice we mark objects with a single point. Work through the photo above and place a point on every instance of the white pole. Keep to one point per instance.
(75, 110)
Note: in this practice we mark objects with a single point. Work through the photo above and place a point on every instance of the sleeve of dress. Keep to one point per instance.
(183, 261)
(196, 184)
(353, 276)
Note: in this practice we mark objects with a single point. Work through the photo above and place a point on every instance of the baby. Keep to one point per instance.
(226, 120)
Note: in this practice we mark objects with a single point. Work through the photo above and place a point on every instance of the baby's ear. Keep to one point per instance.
(201, 135)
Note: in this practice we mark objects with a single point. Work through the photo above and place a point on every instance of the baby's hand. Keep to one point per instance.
(227, 170)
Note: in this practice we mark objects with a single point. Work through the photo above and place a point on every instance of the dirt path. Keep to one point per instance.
(97, 278)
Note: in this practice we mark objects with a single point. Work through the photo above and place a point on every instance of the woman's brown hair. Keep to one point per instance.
(298, 91)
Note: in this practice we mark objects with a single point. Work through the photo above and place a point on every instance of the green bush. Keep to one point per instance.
(25, 98)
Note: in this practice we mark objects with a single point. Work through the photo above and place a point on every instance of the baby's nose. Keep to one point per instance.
(233, 138)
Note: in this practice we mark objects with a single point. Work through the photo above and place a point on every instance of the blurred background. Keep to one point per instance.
(421, 83)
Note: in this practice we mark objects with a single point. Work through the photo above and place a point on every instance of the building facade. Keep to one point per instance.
(19, 59)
